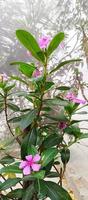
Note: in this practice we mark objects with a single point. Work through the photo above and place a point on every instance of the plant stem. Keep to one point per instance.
(6, 116)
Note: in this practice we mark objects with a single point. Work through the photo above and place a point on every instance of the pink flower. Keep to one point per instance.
(62, 125)
(70, 96)
(30, 164)
(81, 101)
(36, 73)
(44, 41)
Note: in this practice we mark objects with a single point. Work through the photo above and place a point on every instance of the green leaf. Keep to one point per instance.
(65, 156)
(9, 183)
(18, 79)
(28, 194)
(7, 160)
(83, 136)
(27, 119)
(11, 169)
(73, 130)
(9, 87)
(32, 150)
(71, 107)
(29, 140)
(28, 40)
(35, 175)
(52, 140)
(16, 193)
(56, 101)
(3, 197)
(63, 88)
(48, 85)
(26, 68)
(64, 63)
(48, 155)
(53, 191)
(52, 174)
(13, 107)
(55, 42)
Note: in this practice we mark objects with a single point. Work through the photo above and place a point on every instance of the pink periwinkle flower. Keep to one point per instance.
(30, 164)
(44, 41)
(70, 96)
(36, 73)
(80, 101)
(62, 125)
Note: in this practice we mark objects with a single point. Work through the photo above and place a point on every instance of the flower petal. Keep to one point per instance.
(26, 170)
(22, 164)
(36, 167)
(36, 158)
(76, 100)
(29, 157)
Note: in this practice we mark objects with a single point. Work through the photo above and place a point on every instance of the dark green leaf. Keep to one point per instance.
(35, 175)
(9, 183)
(64, 63)
(52, 190)
(55, 42)
(48, 155)
(13, 107)
(27, 119)
(48, 85)
(63, 88)
(7, 160)
(28, 194)
(73, 130)
(16, 193)
(29, 140)
(11, 169)
(9, 87)
(52, 140)
(30, 43)
(83, 136)
(65, 156)
(52, 174)
(56, 101)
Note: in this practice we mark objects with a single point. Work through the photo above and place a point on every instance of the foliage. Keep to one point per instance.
(40, 127)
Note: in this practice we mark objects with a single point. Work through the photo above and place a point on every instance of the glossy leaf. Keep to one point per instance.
(52, 140)
(65, 156)
(48, 155)
(52, 190)
(55, 43)
(29, 42)
(25, 68)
